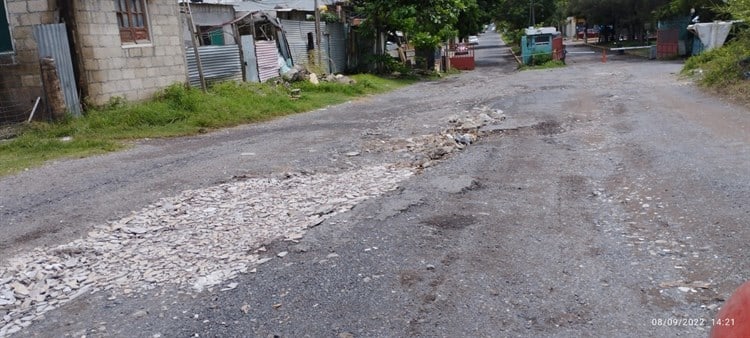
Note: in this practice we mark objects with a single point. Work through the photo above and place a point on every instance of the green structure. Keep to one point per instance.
(537, 42)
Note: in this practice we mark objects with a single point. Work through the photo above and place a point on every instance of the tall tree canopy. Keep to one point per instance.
(426, 22)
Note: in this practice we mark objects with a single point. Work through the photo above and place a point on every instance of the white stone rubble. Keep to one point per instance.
(198, 239)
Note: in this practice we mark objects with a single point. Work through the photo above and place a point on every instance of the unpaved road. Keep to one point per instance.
(617, 206)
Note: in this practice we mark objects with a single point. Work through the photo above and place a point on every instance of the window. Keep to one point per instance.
(6, 43)
(131, 17)
(210, 35)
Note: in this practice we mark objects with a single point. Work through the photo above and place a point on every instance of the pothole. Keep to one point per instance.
(452, 221)
(550, 127)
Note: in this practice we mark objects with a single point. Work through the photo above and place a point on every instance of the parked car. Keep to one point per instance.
(473, 40)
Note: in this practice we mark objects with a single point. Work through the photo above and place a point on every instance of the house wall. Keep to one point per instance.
(20, 77)
(210, 15)
(134, 71)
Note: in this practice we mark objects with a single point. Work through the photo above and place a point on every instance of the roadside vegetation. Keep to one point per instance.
(727, 69)
(175, 111)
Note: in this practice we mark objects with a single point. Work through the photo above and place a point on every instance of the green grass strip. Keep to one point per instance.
(176, 111)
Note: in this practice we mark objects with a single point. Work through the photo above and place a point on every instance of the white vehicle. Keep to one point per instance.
(473, 40)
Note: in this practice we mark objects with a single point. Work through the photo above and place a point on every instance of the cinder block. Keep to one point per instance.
(20, 33)
(37, 5)
(48, 17)
(29, 19)
(99, 76)
(134, 52)
(128, 73)
(31, 80)
(16, 7)
(114, 76)
(147, 51)
(87, 53)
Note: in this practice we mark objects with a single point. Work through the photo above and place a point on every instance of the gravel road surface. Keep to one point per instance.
(600, 199)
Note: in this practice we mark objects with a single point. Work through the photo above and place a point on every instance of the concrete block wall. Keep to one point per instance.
(20, 77)
(131, 71)
(109, 68)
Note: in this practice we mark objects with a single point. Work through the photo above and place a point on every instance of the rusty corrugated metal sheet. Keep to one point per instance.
(220, 63)
(268, 59)
(52, 41)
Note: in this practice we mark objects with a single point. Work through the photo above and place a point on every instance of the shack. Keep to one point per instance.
(543, 43)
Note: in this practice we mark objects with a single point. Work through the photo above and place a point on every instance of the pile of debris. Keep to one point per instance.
(300, 73)
(463, 130)
(196, 240)
(334, 78)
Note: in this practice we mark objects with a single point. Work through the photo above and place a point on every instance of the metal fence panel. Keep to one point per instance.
(296, 34)
(268, 59)
(337, 47)
(52, 41)
(220, 63)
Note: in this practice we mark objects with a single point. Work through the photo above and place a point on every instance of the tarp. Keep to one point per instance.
(712, 34)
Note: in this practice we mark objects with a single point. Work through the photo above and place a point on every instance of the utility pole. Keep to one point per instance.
(533, 16)
(189, 17)
(318, 35)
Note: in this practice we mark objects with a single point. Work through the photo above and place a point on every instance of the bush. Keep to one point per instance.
(540, 59)
(721, 66)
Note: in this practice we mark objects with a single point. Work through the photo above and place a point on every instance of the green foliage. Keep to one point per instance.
(329, 17)
(426, 23)
(721, 67)
(513, 36)
(540, 59)
(548, 64)
(386, 64)
(515, 15)
(176, 111)
(739, 9)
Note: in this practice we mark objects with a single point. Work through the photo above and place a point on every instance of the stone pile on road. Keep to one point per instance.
(463, 130)
(198, 239)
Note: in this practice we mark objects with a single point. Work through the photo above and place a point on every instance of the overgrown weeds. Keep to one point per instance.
(725, 69)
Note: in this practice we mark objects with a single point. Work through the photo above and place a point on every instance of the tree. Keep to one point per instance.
(426, 22)
(706, 9)
(630, 15)
(471, 20)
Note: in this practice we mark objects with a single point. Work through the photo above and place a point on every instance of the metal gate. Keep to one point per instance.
(557, 48)
(667, 43)
(52, 41)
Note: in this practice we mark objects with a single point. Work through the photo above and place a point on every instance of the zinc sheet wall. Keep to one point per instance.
(220, 63)
(337, 47)
(268, 59)
(52, 41)
(296, 34)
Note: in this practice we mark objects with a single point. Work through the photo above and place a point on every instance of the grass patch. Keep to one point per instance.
(542, 61)
(175, 111)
